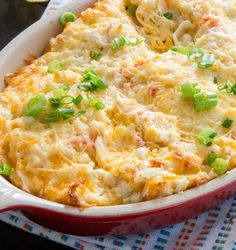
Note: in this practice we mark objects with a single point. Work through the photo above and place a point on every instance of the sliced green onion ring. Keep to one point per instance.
(54, 102)
(78, 99)
(227, 123)
(203, 101)
(5, 169)
(66, 113)
(95, 54)
(67, 99)
(181, 49)
(87, 86)
(55, 66)
(190, 89)
(168, 15)
(211, 158)
(54, 116)
(99, 106)
(206, 61)
(35, 106)
(67, 17)
(120, 42)
(206, 136)
(131, 9)
(220, 166)
(195, 53)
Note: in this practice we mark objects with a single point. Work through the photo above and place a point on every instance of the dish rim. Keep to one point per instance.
(20, 198)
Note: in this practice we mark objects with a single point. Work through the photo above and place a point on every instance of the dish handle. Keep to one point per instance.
(6, 195)
(11, 197)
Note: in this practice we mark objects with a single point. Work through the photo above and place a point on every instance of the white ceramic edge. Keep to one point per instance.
(10, 196)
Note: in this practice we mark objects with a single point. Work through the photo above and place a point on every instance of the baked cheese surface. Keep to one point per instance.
(138, 138)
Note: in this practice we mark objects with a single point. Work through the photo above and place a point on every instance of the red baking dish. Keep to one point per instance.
(109, 220)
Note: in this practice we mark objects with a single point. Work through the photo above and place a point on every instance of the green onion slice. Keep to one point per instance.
(233, 88)
(120, 42)
(78, 99)
(99, 106)
(54, 102)
(60, 91)
(87, 86)
(211, 158)
(92, 81)
(206, 61)
(206, 137)
(190, 89)
(220, 166)
(203, 101)
(67, 17)
(215, 80)
(81, 112)
(228, 88)
(54, 116)
(95, 54)
(227, 123)
(181, 49)
(195, 53)
(55, 66)
(5, 169)
(211, 100)
(67, 99)
(168, 15)
(66, 113)
(131, 8)
(35, 106)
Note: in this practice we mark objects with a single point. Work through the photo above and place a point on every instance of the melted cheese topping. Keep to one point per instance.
(143, 144)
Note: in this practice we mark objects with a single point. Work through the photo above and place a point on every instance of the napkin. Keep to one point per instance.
(215, 229)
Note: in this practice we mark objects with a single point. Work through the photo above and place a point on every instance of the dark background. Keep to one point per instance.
(15, 16)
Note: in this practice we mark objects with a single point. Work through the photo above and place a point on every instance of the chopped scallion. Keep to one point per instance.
(66, 113)
(67, 99)
(211, 158)
(120, 42)
(55, 66)
(99, 106)
(54, 102)
(215, 80)
(227, 123)
(206, 61)
(181, 49)
(92, 81)
(35, 106)
(190, 89)
(95, 54)
(82, 112)
(168, 15)
(54, 116)
(220, 166)
(60, 91)
(131, 8)
(206, 136)
(195, 53)
(67, 17)
(203, 101)
(78, 99)
(5, 169)
(87, 86)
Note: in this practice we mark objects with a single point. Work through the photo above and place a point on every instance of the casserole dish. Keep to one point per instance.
(109, 220)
